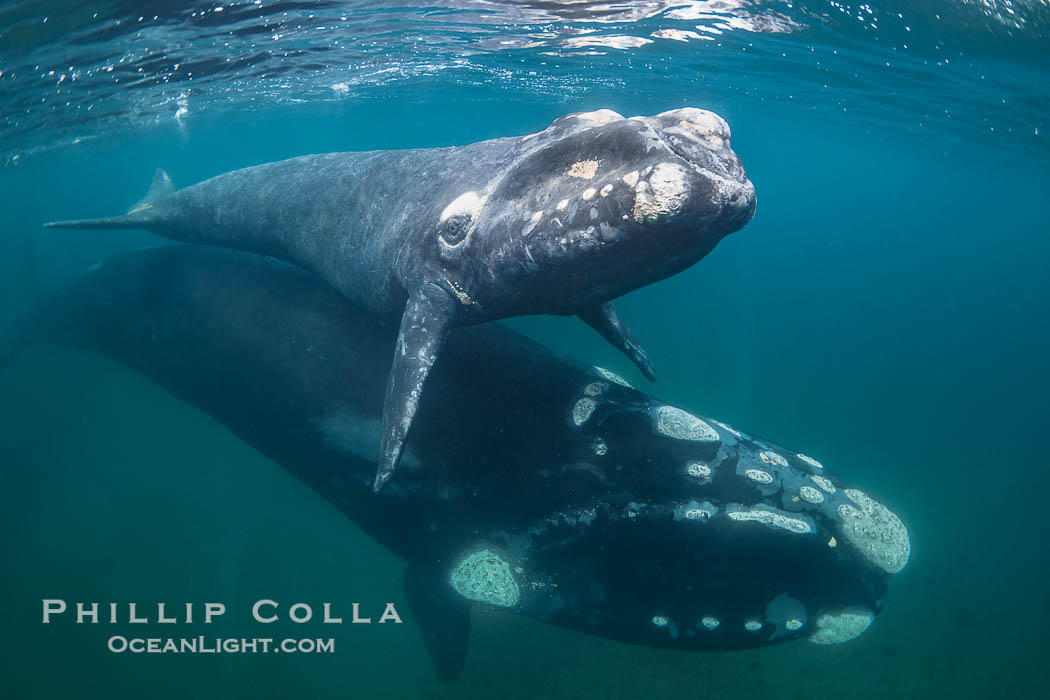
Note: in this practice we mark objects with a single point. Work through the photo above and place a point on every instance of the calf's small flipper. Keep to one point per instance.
(429, 315)
(443, 619)
(605, 319)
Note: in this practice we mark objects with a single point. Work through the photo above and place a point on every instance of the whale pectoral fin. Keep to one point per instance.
(605, 319)
(444, 620)
(428, 316)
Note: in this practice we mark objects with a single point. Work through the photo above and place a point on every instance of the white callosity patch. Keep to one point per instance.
(600, 116)
(836, 628)
(759, 476)
(588, 194)
(599, 447)
(662, 194)
(753, 625)
(485, 577)
(701, 121)
(467, 204)
(682, 425)
(613, 377)
(693, 510)
(772, 458)
(710, 622)
(631, 178)
(823, 483)
(873, 529)
(810, 461)
(584, 169)
(793, 625)
(581, 412)
(699, 470)
(771, 517)
(660, 620)
(606, 190)
(810, 494)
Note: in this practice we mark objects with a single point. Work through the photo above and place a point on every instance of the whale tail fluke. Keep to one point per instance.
(139, 216)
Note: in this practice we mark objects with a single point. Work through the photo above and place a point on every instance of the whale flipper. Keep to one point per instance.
(444, 620)
(606, 320)
(429, 314)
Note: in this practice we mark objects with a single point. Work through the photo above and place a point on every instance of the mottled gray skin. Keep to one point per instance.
(556, 222)
(593, 507)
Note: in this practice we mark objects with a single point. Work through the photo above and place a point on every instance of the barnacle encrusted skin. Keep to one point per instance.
(613, 377)
(810, 494)
(825, 484)
(760, 476)
(836, 628)
(699, 470)
(693, 510)
(773, 458)
(682, 425)
(772, 517)
(582, 410)
(874, 530)
(486, 577)
(810, 461)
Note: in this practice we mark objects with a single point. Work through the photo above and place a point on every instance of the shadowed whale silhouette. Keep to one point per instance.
(530, 483)
(557, 222)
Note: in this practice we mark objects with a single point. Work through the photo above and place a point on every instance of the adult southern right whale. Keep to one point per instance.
(530, 483)
(558, 222)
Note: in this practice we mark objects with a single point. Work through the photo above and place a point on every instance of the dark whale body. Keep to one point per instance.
(545, 487)
(560, 222)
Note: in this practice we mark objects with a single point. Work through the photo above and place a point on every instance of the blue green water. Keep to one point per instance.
(885, 311)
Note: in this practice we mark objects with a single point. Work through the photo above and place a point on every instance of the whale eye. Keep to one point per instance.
(454, 229)
(456, 220)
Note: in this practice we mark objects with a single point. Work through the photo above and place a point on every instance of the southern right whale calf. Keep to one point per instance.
(561, 222)
(531, 483)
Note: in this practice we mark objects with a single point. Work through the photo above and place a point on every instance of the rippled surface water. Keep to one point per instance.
(885, 311)
(72, 69)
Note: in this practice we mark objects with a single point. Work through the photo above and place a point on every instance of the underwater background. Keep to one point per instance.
(886, 312)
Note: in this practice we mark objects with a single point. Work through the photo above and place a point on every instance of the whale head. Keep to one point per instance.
(668, 530)
(593, 207)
